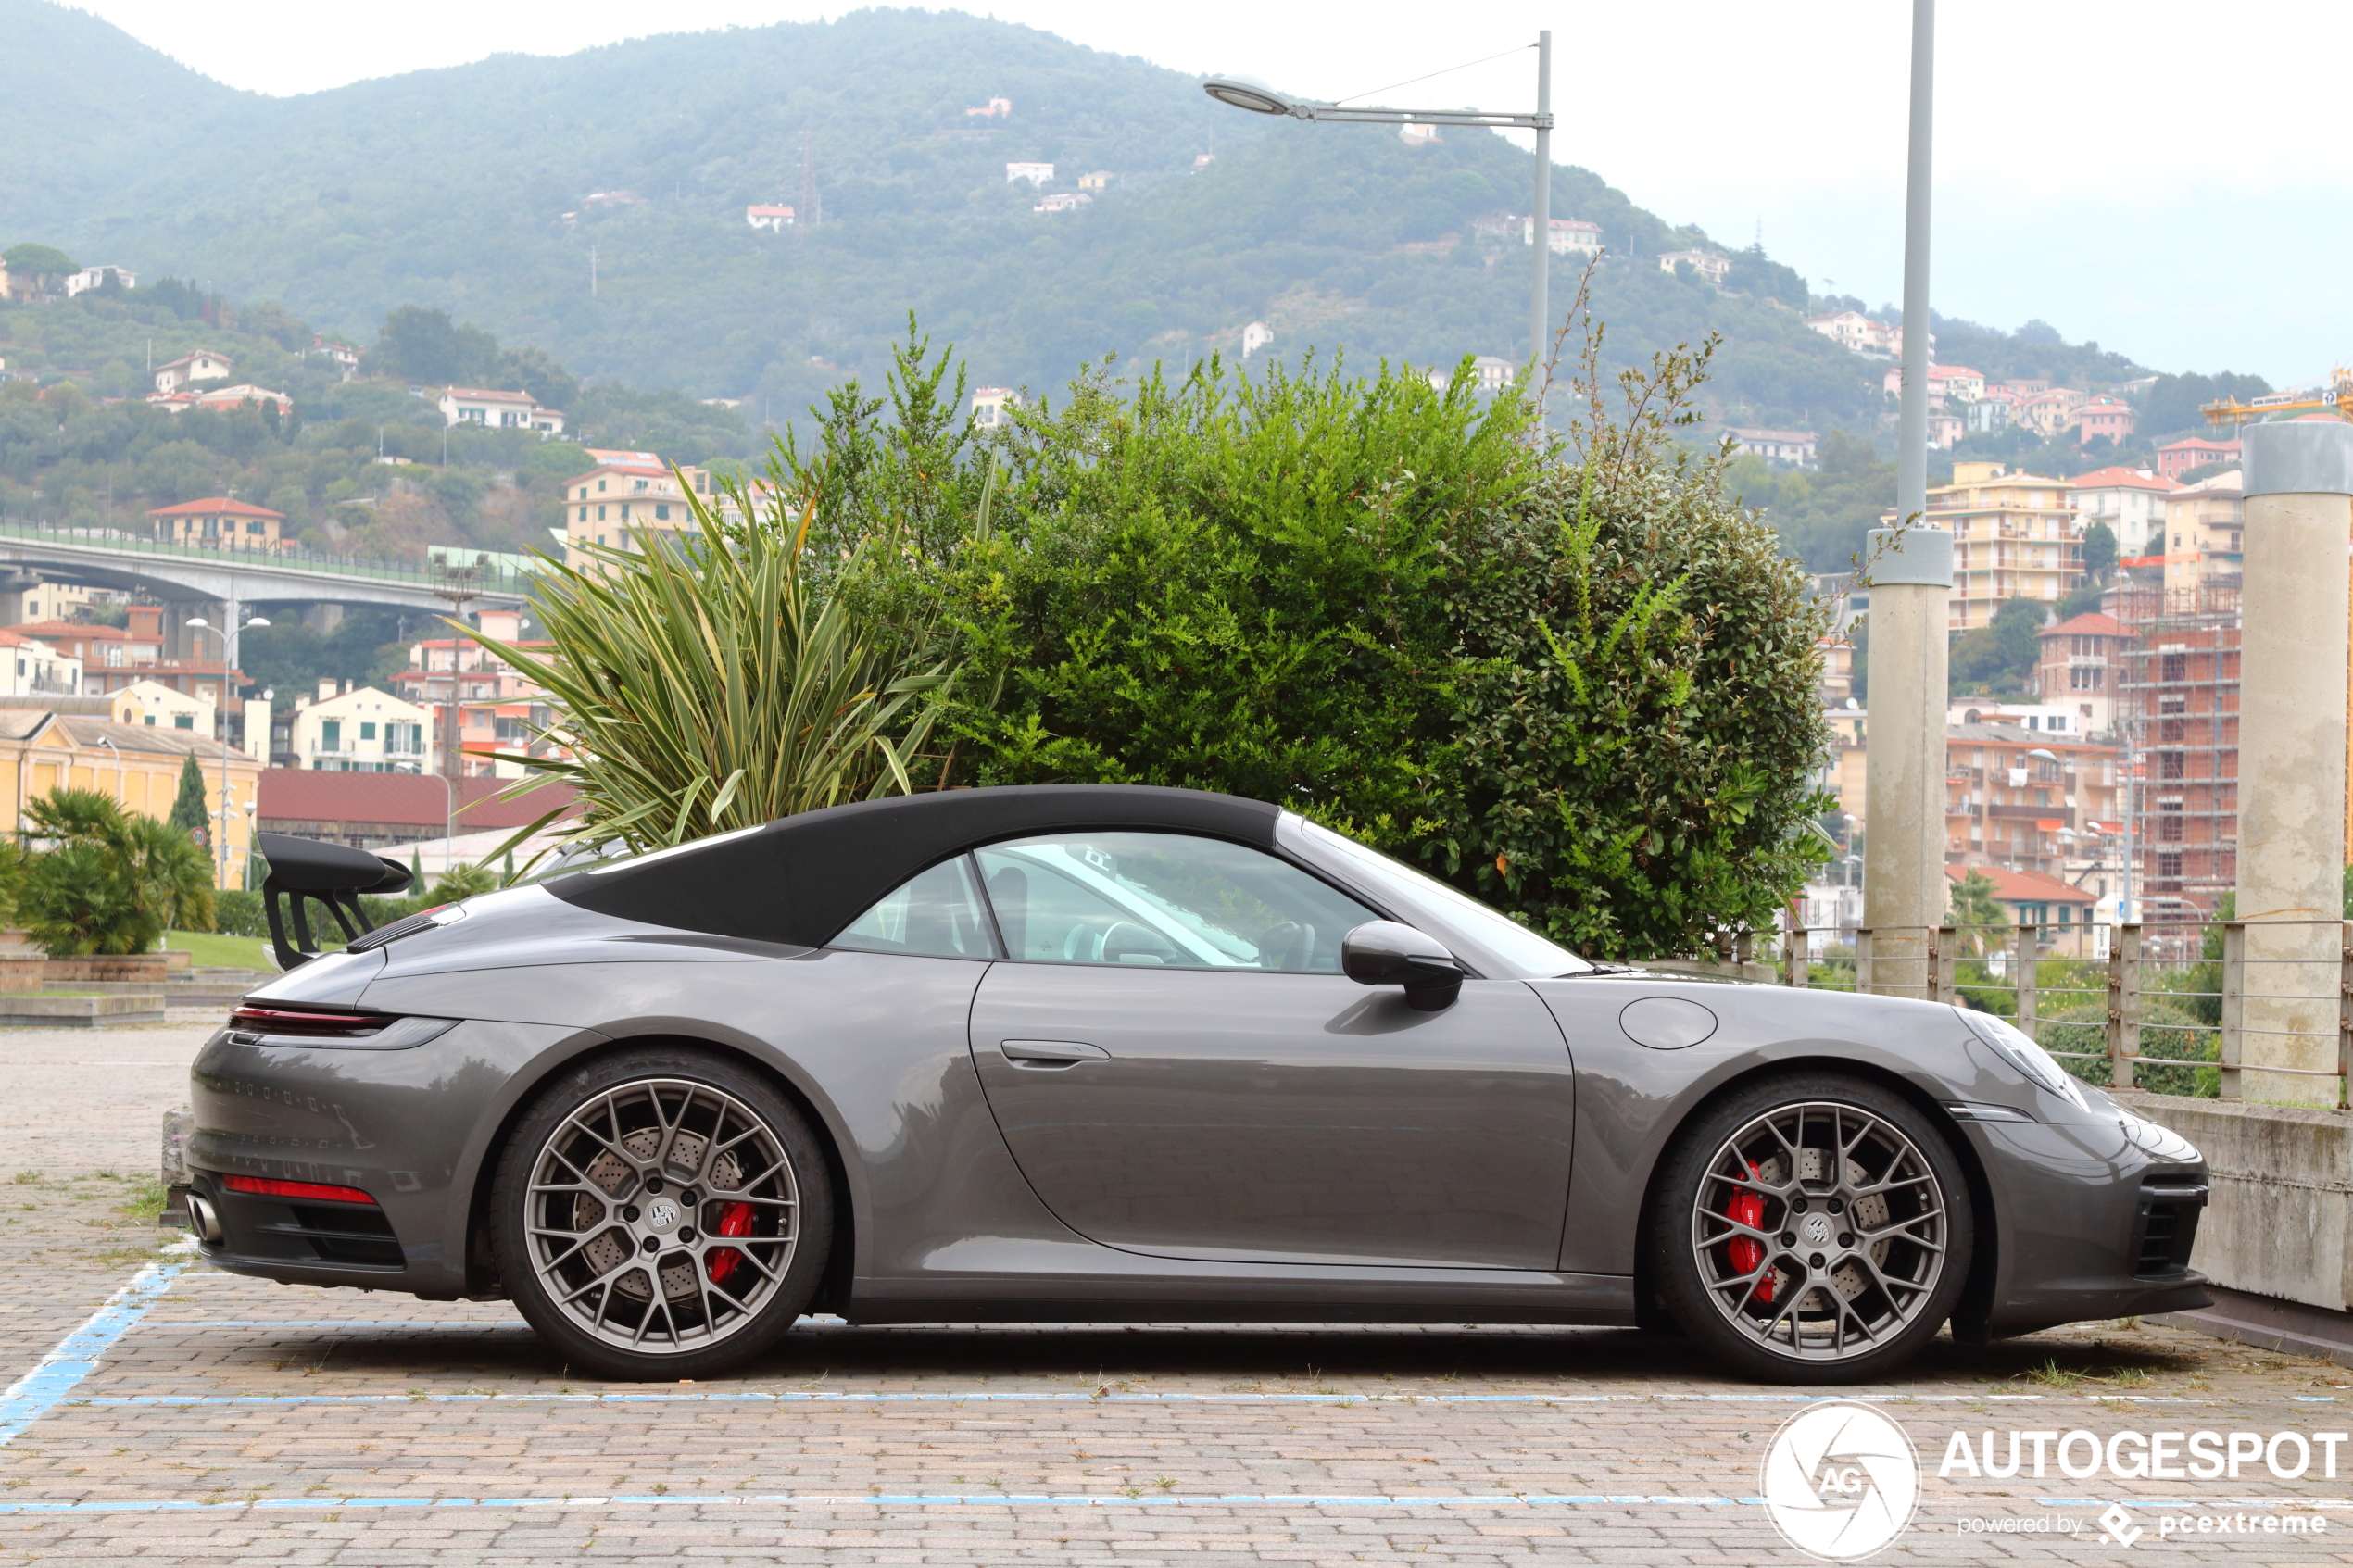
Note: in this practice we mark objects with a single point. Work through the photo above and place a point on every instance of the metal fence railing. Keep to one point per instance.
(2174, 1006)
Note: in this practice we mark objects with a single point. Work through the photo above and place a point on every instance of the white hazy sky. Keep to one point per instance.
(2168, 178)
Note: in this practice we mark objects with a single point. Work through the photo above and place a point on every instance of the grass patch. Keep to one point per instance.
(209, 949)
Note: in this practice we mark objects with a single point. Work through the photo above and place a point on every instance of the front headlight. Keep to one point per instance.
(2015, 1046)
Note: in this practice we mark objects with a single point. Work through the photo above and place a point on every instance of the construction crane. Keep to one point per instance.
(2336, 398)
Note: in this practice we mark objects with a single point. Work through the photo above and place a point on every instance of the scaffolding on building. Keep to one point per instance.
(2177, 706)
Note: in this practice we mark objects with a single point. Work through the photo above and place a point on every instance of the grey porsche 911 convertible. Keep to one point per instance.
(1111, 1054)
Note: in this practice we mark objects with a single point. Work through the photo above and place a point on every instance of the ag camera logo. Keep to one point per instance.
(1840, 1481)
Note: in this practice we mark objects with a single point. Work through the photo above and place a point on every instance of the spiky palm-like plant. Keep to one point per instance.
(110, 882)
(722, 678)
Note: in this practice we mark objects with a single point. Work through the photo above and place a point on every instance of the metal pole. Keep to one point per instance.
(1540, 311)
(1911, 455)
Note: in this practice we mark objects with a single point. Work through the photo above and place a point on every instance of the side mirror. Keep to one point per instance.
(1383, 952)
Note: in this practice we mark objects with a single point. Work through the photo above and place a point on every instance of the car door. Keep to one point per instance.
(1180, 1069)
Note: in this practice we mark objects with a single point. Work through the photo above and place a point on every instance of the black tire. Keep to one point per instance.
(662, 1213)
(1794, 1266)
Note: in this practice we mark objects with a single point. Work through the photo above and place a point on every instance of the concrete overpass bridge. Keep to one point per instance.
(187, 576)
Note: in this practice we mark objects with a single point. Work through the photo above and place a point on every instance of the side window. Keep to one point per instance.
(1162, 898)
(935, 915)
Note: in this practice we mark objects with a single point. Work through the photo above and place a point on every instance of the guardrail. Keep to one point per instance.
(495, 578)
(2162, 1005)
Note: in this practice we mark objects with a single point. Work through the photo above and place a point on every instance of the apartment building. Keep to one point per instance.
(2129, 501)
(2076, 665)
(2025, 800)
(624, 497)
(2014, 536)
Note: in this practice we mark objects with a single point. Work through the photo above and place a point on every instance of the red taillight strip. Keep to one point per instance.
(285, 1015)
(262, 1186)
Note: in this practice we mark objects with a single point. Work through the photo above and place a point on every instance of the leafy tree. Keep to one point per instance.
(1995, 658)
(39, 260)
(1823, 517)
(1754, 272)
(188, 811)
(2171, 407)
(425, 346)
(2099, 551)
(534, 370)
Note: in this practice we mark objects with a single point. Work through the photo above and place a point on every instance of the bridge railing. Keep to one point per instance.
(495, 576)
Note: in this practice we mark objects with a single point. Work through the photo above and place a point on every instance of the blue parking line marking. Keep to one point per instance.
(978, 1397)
(914, 1500)
(74, 1357)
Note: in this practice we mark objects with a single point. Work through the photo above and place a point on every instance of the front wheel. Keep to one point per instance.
(1812, 1229)
(661, 1212)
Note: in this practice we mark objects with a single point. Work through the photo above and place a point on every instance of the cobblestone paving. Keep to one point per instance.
(236, 1421)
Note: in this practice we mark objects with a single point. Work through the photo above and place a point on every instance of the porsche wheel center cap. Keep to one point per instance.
(1815, 1228)
(662, 1214)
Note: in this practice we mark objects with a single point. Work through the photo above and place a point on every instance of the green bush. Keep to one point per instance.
(1574, 677)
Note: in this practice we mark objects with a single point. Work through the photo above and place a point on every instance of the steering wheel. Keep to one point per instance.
(1289, 945)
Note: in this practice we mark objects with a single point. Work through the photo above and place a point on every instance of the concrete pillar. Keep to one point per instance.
(323, 619)
(2292, 748)
(1903, 885)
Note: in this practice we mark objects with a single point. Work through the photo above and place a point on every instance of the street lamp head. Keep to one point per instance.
(258, 620)
(1246, 93)
(198, 620)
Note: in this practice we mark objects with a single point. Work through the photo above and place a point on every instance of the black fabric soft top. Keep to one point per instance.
(800, 880)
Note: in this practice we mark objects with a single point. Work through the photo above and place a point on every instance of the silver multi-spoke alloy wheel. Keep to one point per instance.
(1820, 1230)
(662, 1215)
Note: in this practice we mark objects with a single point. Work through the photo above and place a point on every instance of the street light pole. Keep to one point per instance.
(228, 636)
(1540, 310)
(1249, 92)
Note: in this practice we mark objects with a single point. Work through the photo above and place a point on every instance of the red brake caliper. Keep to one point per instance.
(735, 1220)
(1748, 1209)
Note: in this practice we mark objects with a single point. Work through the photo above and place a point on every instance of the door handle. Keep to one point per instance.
(1050, 1053)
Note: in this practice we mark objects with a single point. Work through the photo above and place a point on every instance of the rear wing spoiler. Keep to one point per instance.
(333, 876)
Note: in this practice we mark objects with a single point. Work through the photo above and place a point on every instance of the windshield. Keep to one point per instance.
(1532, 955)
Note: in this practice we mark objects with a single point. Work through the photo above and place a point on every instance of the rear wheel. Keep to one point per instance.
(1812, 1229)
(661, 1212)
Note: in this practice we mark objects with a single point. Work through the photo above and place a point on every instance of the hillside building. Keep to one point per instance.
(2178, 458)
(2103, 415)
(498, 411)
(1096, 179)
(217, 522)
(1853, 330)
(627, 496)
(96, 278)
(992, 406)
(1039, 174)
(1062, 201)
(777, 218)
(1707, 264)
(203, 365)
(1570, 236)
(1795, 447)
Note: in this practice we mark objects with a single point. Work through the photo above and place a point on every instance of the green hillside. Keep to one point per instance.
(449, 188)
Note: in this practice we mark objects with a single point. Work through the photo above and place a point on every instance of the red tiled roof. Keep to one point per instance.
(2091, 623)
(411, 799)
(2010, 887)
(2119, 478)
(488, 392)
(217, 505)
